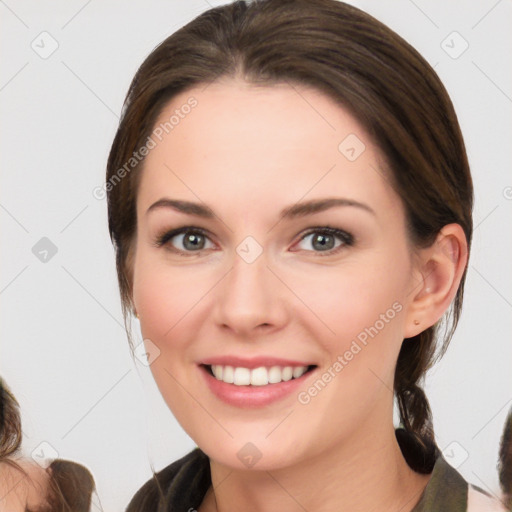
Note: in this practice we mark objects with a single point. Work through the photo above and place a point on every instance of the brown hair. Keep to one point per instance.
(10, 424)
(505, 461)
(362, 65)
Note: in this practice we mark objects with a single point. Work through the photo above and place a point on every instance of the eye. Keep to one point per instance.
(192, 239)
(324, 239)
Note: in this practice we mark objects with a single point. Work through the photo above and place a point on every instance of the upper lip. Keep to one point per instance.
(253, 362)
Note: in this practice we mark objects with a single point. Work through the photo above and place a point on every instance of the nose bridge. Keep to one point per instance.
(247, 280)
(248, 295)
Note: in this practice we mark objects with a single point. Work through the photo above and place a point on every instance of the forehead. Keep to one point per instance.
(278, 143)
(233, 117)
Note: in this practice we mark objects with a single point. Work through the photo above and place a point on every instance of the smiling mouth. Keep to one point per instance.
(261, 376)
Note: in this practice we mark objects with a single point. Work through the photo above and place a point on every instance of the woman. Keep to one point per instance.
(25, 486)
(313, 162)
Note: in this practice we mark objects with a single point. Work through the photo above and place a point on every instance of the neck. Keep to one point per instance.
(367, 472)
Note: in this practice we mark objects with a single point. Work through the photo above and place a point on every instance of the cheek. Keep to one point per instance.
(162, 294)
(165, 299)
(172, 302)
(360, 308)
(354, 298)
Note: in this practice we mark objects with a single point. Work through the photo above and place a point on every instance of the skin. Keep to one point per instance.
(249, 152)
(19, 492)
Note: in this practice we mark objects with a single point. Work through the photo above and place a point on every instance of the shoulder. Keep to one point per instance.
(448, 490)
(184, 479)
(12, 484)
(479, 501)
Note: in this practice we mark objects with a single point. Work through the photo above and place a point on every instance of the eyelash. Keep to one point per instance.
(346, 238)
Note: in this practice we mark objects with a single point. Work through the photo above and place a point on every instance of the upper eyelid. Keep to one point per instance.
(303, 234)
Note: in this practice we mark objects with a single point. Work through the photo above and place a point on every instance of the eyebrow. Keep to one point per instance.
(290, 212)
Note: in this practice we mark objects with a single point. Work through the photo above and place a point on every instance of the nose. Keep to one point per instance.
(250, 299)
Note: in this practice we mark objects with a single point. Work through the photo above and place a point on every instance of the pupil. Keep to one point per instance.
(323, 243)
(192, 239)
(320, 241)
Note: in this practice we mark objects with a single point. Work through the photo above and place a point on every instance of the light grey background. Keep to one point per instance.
(64, 351)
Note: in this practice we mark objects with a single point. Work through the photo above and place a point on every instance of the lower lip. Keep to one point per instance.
(252, 396)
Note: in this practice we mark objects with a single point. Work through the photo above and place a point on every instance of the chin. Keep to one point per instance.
(256, 455)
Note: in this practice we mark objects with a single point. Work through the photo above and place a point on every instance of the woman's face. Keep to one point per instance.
(258, 284)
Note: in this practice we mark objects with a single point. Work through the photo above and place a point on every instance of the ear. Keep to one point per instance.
(438, 272)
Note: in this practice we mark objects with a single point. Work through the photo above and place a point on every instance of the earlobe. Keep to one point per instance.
(441, 267)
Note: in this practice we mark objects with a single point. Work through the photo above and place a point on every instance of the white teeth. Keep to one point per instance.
(242, 377)
(274, 375)
(287, 373)
(298, 371)
(228, 374)
(257, 376)
(217, 371)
